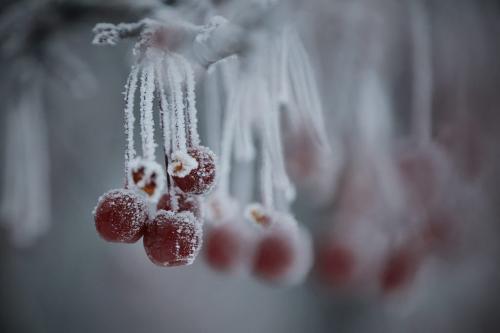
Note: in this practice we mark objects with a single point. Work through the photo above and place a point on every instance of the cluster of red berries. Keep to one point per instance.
(423, 177)
(277, 250)
(172, 231)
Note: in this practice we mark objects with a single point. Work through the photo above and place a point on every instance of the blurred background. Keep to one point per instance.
(410, 97)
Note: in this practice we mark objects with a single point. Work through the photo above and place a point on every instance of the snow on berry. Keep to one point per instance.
(146, 177)
(201, 178)
(120, 216)
(173, 239)
(182, 164)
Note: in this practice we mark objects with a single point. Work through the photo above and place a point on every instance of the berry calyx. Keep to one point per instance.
(173, 239)
(147, 177)
(259, 215)
(120, 216)
(201, 178)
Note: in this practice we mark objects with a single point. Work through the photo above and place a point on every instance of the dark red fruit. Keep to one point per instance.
(223, 248)
(120, 216)
(398, 271)
(185, 203)
(173, 239)
(335, 264)
(201, 179)
(274, 257)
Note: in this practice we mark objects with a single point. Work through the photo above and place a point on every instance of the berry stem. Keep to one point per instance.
(130, 90)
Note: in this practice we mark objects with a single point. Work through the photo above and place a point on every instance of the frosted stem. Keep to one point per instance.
(146, 109)
(422, 73)
(164, 106)
(266, 179)
(130, 90)
(230, 120)
(175, 82)
(192, 119)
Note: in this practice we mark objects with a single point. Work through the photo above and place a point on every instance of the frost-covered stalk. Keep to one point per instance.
(175, 80)
(191, 112)
(130, 91)
(146, 111)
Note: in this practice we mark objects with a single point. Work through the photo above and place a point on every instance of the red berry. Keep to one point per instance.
(201, 179)
(274, 257)
(185, 203)
(173, 239)
(399, 270)
(223, 248)
(120, 216)
(335, 264)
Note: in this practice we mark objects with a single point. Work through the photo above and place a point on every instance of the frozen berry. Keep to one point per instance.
(185, 203)
(274, 257)
(224, 247)
(335, 264)
(173, 239)
(399, 270)
(120, 216)
(200, 179)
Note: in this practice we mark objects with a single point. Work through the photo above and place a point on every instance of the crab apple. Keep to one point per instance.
(224, 247)
(283, 255)
(201, 178)
(120, 216)
(398, 270)
(173, 239)
(335, 264)
(185, 203)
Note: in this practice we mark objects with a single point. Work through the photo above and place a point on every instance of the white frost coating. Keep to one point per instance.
(182, 164)
(192, 119)
(111, 34)
(146, 109)
(152, 171)
(165, 107)
(175, 84)
(130, 91)
(267, 180)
